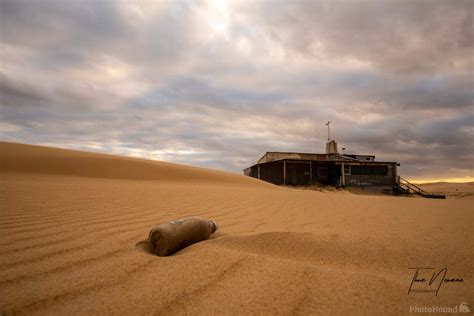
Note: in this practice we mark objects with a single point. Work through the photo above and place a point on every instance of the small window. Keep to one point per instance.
(367, 158)
(347, 170)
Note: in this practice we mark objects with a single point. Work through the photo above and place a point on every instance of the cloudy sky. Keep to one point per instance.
(218, 83)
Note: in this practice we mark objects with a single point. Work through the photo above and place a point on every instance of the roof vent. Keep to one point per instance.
(331, 147)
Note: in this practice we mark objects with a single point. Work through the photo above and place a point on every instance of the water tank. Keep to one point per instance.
(331, 147)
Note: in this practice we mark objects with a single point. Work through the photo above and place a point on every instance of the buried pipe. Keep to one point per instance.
(167, 238)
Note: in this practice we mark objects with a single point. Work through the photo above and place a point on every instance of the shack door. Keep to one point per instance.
(293, 173)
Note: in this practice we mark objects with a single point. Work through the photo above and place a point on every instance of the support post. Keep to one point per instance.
(259, 172)
(284, 172)
(395, 174)
(343, 175)
(310, 173)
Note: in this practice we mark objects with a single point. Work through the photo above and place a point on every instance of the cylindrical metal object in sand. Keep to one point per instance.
(167, 238)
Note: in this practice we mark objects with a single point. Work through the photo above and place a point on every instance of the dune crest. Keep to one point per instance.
(22, 158)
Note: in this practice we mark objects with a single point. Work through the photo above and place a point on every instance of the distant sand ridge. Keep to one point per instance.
(71, 223)
(52, 161)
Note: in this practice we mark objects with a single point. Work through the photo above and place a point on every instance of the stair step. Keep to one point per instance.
(408, 187)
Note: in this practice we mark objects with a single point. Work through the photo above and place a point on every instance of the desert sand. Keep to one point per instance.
(71, 224)
(451, 190)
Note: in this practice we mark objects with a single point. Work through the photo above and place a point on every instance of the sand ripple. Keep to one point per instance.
(70, 242)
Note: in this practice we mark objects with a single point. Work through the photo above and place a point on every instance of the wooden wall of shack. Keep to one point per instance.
(298, 172)
(304, 172)
(387, 179)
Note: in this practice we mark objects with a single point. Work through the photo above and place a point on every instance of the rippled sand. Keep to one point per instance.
(71, 224)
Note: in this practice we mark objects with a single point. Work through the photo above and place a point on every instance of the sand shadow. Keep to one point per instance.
(145, 247)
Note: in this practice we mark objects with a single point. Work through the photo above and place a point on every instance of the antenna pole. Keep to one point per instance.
(329, 135)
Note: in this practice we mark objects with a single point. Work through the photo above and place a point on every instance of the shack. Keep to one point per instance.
(330, 168)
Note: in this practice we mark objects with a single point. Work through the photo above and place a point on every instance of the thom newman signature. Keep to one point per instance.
(430, 280)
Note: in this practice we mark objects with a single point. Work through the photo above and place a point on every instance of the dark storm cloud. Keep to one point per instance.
(67, 34)
(194, 82)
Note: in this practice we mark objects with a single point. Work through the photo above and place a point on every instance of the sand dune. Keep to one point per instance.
(20, 158)
(452, 190)
(71, 224)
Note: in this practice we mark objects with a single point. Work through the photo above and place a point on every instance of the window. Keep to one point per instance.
(356, 170)
(366, 170)
(347, 170)
(381, 170)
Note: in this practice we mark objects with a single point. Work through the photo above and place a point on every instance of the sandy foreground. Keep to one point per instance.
(71, 224)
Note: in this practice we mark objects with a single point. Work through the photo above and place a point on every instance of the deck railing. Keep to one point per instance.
(406, 186)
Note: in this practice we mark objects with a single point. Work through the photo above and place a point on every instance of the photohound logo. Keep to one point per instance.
(461, 308)
(464, 308)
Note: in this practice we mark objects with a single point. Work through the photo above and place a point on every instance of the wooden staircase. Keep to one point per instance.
(406, 187)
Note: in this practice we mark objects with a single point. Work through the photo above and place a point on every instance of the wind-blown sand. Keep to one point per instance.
(71, 223)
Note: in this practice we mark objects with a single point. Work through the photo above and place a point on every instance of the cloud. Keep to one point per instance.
(218, 83)
(420, 36)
